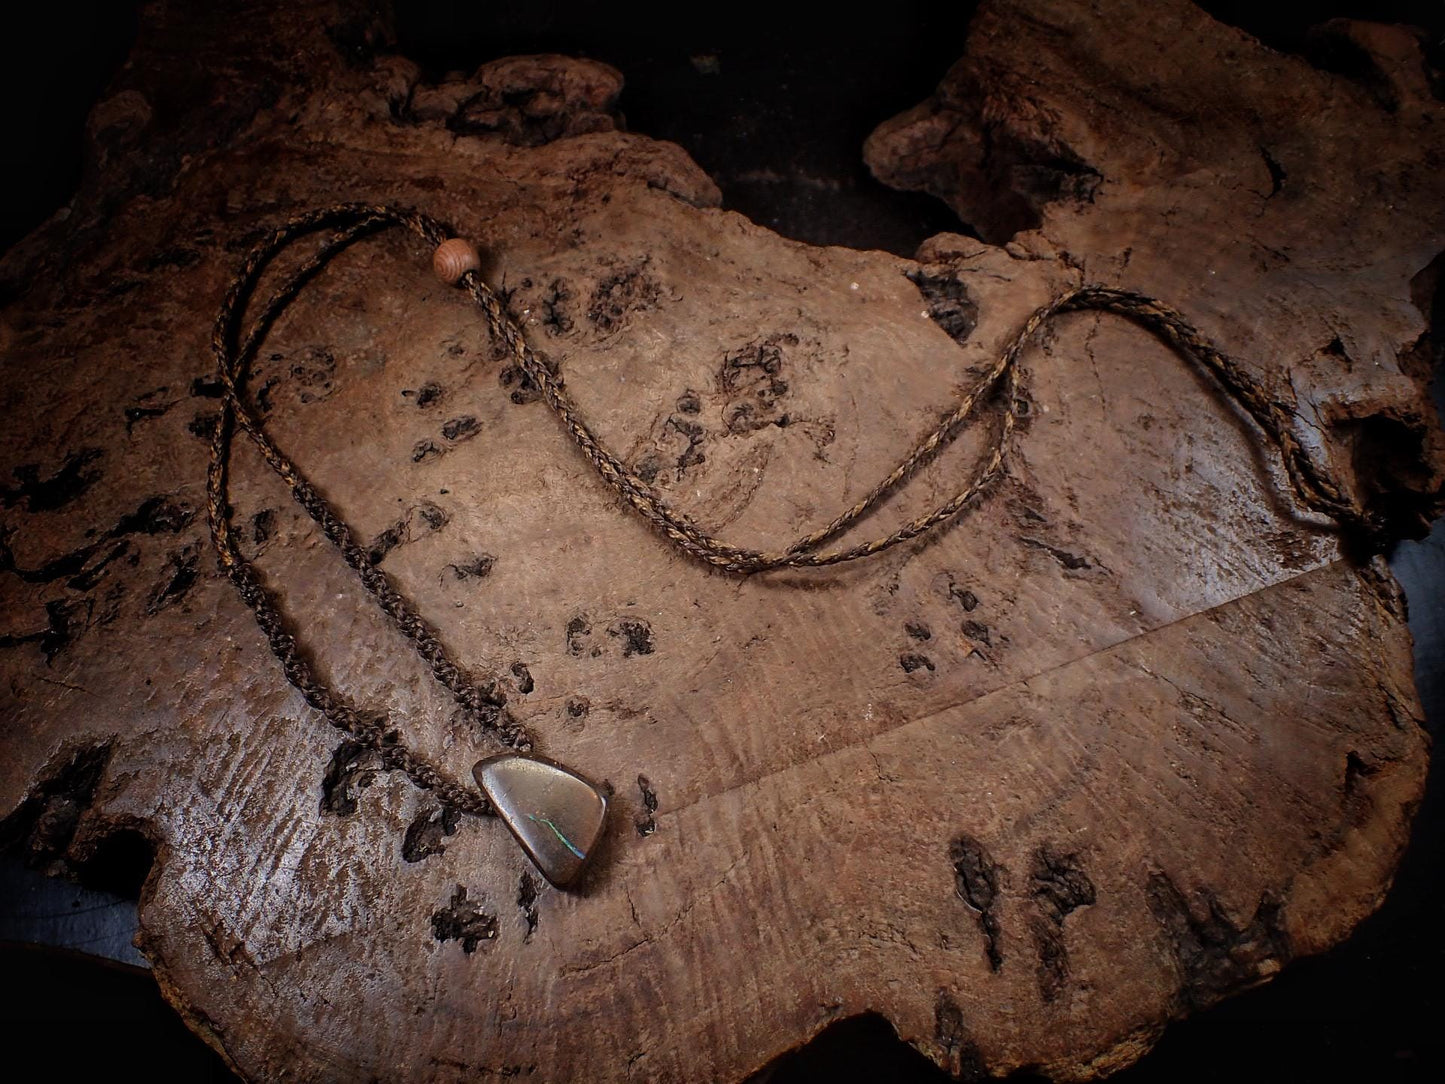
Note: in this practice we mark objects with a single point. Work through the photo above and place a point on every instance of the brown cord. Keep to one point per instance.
(484, 702)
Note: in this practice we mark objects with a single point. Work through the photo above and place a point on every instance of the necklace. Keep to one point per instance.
(556, 814)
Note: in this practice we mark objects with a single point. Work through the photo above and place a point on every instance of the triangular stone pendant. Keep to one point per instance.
(555, 814)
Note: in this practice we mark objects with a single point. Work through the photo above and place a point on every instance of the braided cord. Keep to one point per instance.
(483, 701)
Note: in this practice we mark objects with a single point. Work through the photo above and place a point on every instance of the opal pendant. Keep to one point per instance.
(556, 815)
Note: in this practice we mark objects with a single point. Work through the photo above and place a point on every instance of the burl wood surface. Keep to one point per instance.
(1128, 737)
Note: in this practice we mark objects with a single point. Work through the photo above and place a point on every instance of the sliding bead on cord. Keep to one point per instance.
(453, 258)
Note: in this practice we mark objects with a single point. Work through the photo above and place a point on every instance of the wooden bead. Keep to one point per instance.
(453, 258)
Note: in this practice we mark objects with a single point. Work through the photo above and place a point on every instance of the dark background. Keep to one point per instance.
(774, 102)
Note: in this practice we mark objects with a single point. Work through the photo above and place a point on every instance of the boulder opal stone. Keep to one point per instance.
(555, 814)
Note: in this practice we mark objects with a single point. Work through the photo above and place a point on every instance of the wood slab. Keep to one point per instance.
(1128, 737)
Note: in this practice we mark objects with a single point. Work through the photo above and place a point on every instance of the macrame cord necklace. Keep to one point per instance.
(556, 814)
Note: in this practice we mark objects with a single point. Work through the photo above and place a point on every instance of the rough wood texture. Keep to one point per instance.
(1129, 737)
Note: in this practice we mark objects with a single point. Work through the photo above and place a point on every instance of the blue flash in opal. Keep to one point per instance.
(556, 832)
